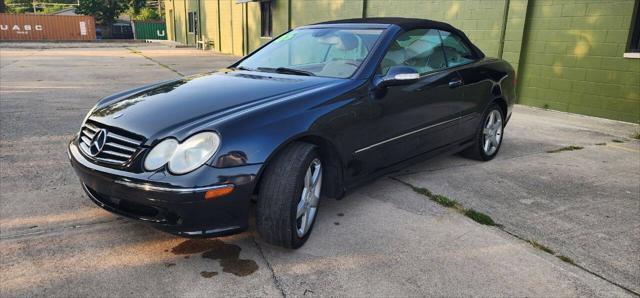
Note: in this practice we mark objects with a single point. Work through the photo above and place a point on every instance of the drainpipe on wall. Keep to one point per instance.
(364, 9)
(173, 11)
(186, 23)
(289, 16)
(199, 35)
(219, 30)
(505, 19)
(245, 29)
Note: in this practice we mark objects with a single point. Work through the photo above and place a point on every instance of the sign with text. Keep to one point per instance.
(46, 27)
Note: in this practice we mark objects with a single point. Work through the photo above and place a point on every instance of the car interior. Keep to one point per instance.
(423, 50)
(338, 53)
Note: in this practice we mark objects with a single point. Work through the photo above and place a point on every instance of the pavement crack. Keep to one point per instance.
(134, 51)
(274, 277)
(27, 234)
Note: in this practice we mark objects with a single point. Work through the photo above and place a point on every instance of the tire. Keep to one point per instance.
(286, 189)
(478, 150)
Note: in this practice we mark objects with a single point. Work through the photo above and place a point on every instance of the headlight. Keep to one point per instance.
(185, 157)
(160, 154)
(193, 152)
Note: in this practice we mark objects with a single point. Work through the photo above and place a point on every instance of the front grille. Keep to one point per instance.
(119, 148)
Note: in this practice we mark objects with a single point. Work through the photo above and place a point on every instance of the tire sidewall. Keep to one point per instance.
(297, 241)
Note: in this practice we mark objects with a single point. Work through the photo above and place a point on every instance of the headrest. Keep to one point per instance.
(345, 41)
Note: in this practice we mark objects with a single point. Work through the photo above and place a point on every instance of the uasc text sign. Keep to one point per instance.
(46, 27)
(24, 29)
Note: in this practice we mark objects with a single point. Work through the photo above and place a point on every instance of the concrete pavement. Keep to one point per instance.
(583, 204)
(383, 239)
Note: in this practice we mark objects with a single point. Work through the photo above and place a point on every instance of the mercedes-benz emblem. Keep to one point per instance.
(98, 141)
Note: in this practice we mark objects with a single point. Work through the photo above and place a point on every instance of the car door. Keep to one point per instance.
(477, 85)
(413, 119)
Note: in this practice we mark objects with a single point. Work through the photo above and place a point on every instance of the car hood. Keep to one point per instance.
(170, 105)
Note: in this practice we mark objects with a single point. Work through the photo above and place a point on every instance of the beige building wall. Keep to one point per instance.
(209, 23)
(568, 54)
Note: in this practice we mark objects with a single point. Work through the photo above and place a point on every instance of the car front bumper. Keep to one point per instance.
(175, 204)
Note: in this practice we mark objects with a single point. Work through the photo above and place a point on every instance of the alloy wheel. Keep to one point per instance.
(308, 204)
(492, 133)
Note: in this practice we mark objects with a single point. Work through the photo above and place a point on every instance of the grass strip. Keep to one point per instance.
(450, 203)
(541, 247)
(480, 217)
(566, 259)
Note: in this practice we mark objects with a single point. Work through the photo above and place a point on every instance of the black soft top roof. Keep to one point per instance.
(404, 23)
(409, 24)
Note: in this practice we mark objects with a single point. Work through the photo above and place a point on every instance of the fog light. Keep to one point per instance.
(218, 192)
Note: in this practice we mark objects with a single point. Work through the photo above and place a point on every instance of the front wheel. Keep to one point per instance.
(289, 195)
(488, 137)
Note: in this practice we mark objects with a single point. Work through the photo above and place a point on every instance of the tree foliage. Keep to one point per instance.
(38, 6)
(146, 14)
(107, 11)
(18, 6)
(52, 8)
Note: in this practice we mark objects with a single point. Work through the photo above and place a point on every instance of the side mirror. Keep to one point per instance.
(398, 75)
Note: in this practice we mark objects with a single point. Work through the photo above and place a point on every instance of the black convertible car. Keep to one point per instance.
(311, 114)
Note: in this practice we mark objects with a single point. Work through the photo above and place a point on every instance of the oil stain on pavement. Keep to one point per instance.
(227, 254)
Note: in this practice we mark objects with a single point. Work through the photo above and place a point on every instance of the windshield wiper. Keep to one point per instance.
(243, 68)
(294, 71)
(287, 70)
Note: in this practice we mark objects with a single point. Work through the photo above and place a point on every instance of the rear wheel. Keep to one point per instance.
(289, 195)
(489, 135)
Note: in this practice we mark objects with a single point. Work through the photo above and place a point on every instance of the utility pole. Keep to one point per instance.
(34, 5)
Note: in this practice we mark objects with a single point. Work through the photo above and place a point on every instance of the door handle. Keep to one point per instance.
(455, 83)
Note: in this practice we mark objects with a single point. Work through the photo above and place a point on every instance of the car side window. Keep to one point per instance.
(456, 50)
(420, 49)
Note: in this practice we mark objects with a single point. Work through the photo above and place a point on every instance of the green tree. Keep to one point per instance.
(52, 8)
(19, 6)
(3, 7)
(107, 11)
(145, 14)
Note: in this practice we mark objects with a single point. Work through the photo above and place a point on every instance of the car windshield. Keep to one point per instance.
(333, 53)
